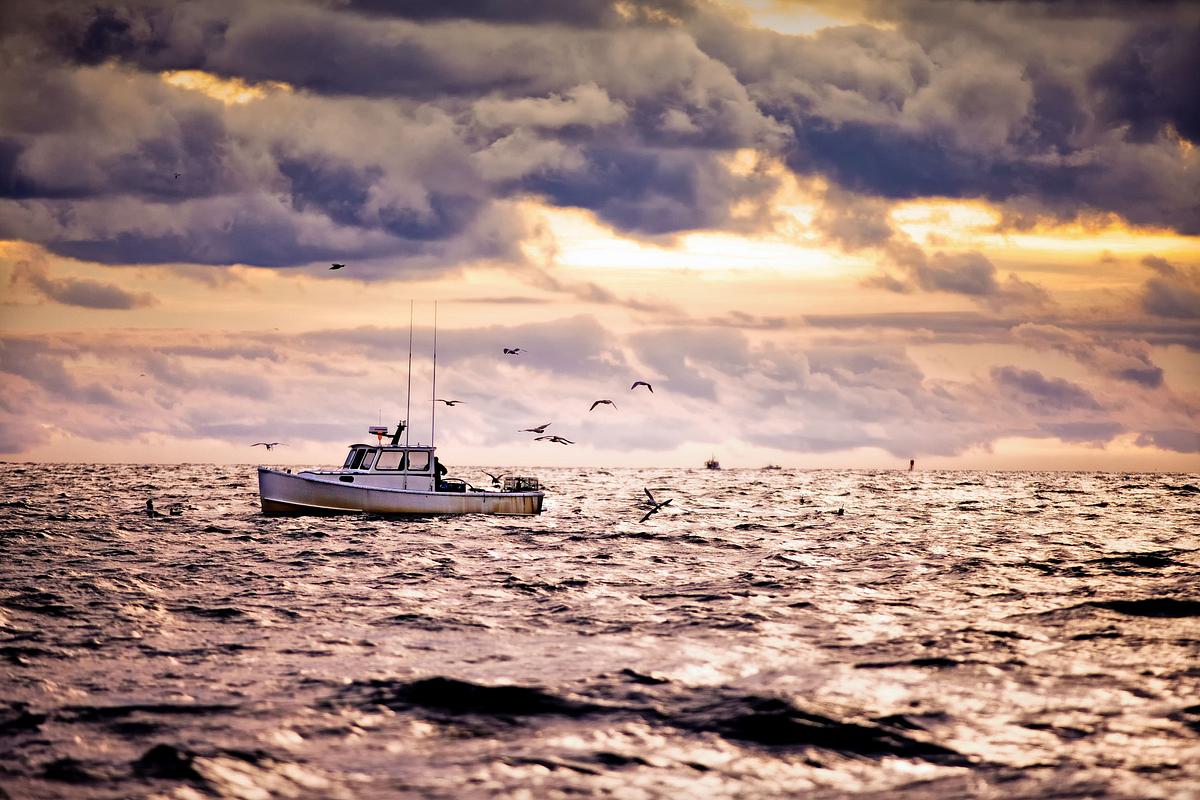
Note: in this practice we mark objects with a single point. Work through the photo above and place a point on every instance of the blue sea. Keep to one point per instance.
(948, 634)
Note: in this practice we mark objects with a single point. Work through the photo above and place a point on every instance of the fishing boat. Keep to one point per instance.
(397, 478)
(712, 463)
(391, 479)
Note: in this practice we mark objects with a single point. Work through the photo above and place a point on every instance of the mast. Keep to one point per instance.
(408, 399)
(433, 395)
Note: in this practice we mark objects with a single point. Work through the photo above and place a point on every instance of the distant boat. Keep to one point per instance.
(772, 466)
(391, 479)
(712, 463)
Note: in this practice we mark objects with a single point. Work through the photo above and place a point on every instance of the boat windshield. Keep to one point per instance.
(360, 458)
(418, 460)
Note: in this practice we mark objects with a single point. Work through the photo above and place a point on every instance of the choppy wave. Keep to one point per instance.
(947, 634)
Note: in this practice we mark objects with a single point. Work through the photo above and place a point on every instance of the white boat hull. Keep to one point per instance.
(298, 494)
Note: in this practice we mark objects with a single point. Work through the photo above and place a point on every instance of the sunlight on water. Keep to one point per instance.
(952, 634)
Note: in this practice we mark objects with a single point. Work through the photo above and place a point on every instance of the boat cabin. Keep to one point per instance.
(382, 458)
(390, 466)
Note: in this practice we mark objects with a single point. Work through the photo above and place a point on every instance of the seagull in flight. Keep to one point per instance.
(555, 439)
(655, 505)
(641, 383)
(336, 266)
(602, 402)
(269, 445)
(513, 351)
(495, 478)
(451, 403)
(539, 429)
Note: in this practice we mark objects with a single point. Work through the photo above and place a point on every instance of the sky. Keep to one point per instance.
(828, 234)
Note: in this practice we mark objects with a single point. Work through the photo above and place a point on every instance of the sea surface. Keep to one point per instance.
(950, 634)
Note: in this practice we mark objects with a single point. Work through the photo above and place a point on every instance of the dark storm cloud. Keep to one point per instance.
(650, 191)
(1142, 83)
(588, 13)
(415, 121)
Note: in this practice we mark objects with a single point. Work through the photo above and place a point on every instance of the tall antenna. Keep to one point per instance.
(433, 405)
(408, 399)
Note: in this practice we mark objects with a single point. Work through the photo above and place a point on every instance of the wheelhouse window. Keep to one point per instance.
(360, 458)
(418, 460)
(390, 459)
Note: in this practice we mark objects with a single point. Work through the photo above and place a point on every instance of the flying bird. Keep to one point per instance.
(269, 445)
(495, 478)
(655, 505)
(513, 351)
(555, 439)
(449, 402)
(539, 429)
(641, 383)
(336, 266)
(602, 402)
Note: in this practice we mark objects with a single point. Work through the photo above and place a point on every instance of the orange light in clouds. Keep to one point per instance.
(230, 91)
(974, 224)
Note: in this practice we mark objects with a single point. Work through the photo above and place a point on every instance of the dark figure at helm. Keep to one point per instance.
(439, 472)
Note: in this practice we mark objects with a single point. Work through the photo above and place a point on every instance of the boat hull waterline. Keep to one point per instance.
(297, 494)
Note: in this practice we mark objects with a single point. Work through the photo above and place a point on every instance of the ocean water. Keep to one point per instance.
(951, 634)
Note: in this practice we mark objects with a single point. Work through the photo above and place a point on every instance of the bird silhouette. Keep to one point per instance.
(602, 402)
(539, 429)
(269, 445)
(449, 402)
(655, 505)
(513, 351)
(641, 383)
(336, 266)
(177, 175)
(495, 478)
(555, 439)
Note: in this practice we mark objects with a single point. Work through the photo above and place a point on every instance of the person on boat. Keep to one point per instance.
(439, 472)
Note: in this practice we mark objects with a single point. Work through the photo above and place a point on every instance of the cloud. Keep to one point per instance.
(1180, 441)
(419, 122)
(1139, 82)
(586, 105)
(970, 274)
(1173, 292)
(1044, 394)
(80, 292)
(767, 388)
(1125, 360)
(1094, 433)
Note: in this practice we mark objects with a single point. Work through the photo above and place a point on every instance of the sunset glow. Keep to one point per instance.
(830, 236)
